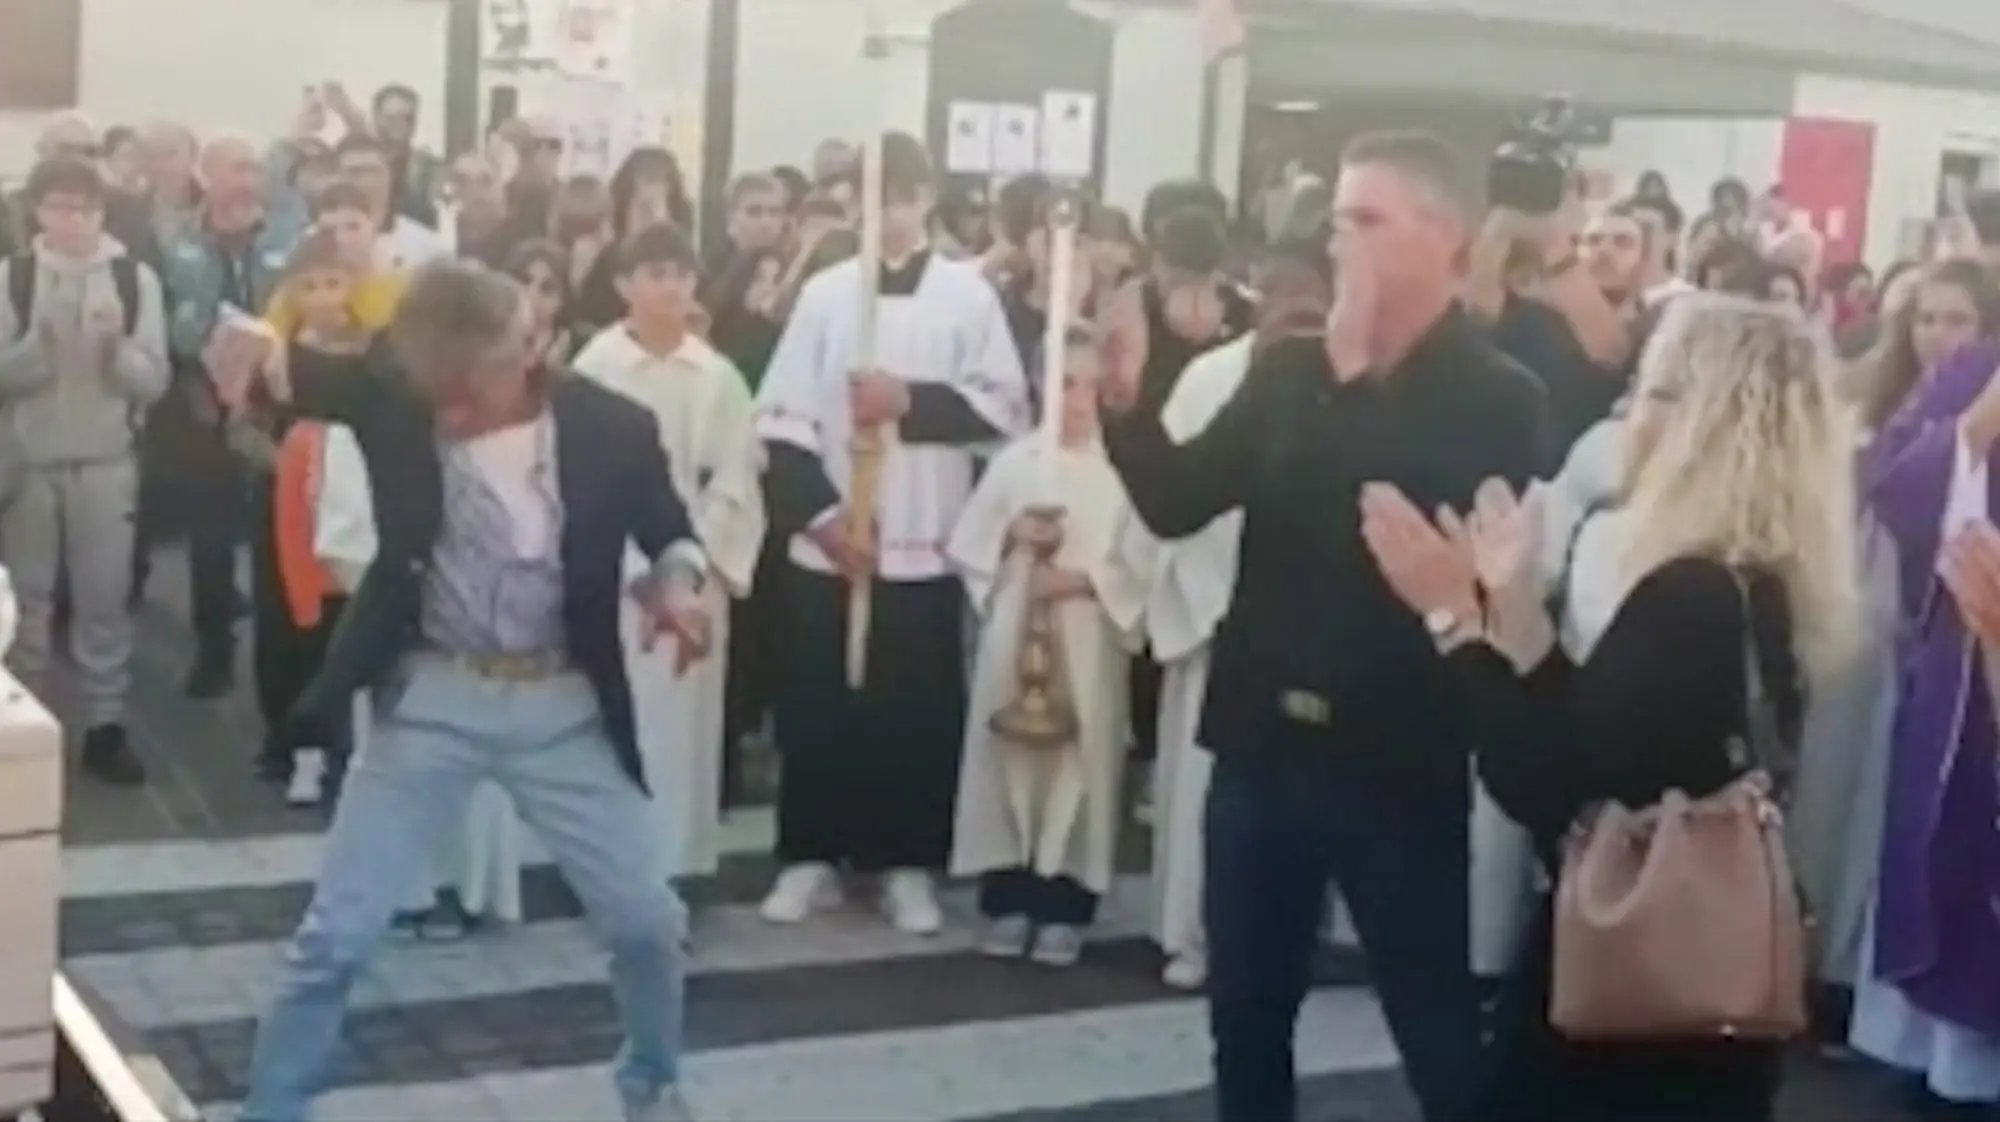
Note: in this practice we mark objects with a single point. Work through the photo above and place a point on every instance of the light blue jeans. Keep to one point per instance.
(544, 744)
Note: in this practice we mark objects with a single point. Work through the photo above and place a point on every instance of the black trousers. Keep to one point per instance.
(755, 646)
(200, 487)
(1277, 835)
(288, 656)
(870, 776)
(1036, 898)
(1145, 677)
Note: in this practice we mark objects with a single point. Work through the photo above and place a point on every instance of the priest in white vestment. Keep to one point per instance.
(703, 408)
(869, 774)
(1189, 586)
(1038, 824)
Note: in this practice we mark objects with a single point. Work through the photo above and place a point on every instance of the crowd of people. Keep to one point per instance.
(1397, 548)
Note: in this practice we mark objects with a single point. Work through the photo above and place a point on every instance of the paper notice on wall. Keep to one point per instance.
(1016, 140)
(969, 138)
(1069, 134)
(596, 40)
(520, 35)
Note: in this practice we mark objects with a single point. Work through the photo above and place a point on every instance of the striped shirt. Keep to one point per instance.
(496, 579)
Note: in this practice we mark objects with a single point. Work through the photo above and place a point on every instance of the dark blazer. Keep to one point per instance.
(611, 472)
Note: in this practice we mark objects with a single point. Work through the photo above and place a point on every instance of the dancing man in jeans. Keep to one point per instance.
(487, 629)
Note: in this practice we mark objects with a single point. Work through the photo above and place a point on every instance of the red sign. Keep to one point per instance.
(1826, 168)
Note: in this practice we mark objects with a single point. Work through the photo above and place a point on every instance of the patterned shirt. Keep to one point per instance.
(496, 580)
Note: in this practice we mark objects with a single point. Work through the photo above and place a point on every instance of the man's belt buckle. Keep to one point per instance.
(531, 667)
(1306, 708)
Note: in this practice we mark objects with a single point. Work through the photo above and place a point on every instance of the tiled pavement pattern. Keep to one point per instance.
(178, 899)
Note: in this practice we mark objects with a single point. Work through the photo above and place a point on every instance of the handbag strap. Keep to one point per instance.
(1558, 599)
(1761, 745)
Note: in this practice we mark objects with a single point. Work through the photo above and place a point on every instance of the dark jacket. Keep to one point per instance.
(612, 474)
(1317, 660)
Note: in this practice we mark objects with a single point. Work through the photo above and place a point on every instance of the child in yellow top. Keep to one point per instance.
(341, 212)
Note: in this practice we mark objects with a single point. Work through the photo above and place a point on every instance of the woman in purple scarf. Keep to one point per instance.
(1933, 1003)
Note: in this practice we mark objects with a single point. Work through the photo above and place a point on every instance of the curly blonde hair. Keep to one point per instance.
(1751, 462)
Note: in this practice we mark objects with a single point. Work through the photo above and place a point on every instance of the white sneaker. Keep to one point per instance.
(1058, 944)
(1007, 937)
(1187, 970)
(800, 891)
(911, 902)
(308, 782)
(669, 1107)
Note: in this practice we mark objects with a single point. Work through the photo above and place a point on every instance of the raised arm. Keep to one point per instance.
(1179, 488)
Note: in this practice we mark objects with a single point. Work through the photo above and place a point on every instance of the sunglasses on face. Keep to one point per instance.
(79, 151)
(547, 144)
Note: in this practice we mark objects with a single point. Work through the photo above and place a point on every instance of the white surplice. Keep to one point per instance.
(951, 331)
(703, 408)
(1188, 589)
(1052, 810)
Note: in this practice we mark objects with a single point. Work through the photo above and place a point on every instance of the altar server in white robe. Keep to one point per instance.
(870, 773)
(1038, 823)
(704, 411)
(1189, 588)
(1188, 593)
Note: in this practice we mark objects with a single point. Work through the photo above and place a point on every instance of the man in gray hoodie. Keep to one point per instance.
(83, 353)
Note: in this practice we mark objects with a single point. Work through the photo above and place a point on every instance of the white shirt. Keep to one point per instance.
(508, 460)
(410, 244)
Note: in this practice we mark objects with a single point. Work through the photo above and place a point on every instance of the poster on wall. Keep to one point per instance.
(594, 39)
(1826, 166)
(969, 147)
(1069, 134)
(601, 123)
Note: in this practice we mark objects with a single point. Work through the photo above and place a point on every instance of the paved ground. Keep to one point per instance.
(178, 898)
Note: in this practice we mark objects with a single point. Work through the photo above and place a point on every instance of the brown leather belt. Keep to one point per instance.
(522, 666)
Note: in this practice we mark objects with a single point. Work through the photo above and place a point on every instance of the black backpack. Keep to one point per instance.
(21, 275)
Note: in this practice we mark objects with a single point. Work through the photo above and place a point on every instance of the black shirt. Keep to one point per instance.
(1581, 393)
(1317, 659)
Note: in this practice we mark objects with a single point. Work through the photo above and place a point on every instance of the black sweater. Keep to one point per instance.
(1653, 708)
(1317, 659)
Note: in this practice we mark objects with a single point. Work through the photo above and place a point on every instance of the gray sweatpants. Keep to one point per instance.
(79, 516)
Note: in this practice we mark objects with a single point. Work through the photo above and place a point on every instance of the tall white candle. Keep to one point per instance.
(1055, 345)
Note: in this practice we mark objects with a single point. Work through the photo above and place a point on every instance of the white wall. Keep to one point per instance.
(1692, 152)
(242, 64)
(1914, 126)
(792, 46)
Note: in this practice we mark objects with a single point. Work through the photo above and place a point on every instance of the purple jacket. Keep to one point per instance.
(1937, 934)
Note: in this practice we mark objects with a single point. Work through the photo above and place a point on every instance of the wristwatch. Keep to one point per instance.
(1446, 627)
(1440, 622)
